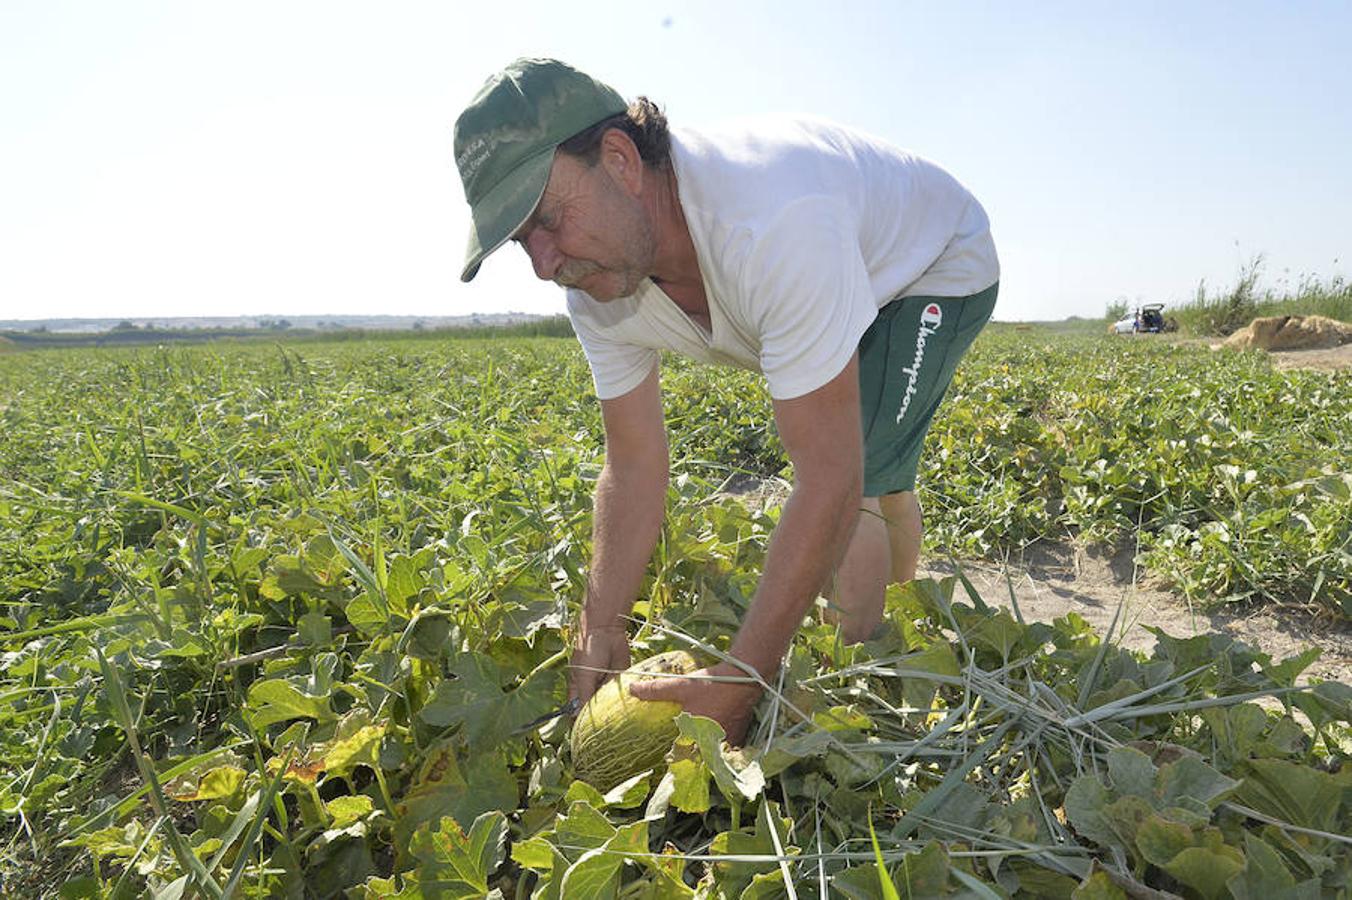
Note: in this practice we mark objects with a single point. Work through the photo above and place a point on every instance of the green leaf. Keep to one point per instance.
(118, 841)
(215, 784)
(276, 700)
(1125, 816)
(1190, 777)
(744, 781)
(668, 870)
(596, 874)
(359, 749)
(348, 808)
(455, 783)
(733, 876)
(965, 810)
(475, 701)
(785, 751)
(628, 793)
(365, 615)
(1206, 869)
(456, 865)
(1098, 886)
(1265, 876)
(429, 635)
(401, 887)
(550, 886)
(1293, 792)
(315, 629)
(998, 632)
(923, 874)
(1160, 840)
(690, 793)
(522, 619)
(86, 887)
(1041, 883)
(403, 583)
(583, 829)
(580, 790)
(1328, 702)
(536, 853)
(1131, 772)
(858, 883)
(1085, 804)
(1236, 730)
(1288, 670)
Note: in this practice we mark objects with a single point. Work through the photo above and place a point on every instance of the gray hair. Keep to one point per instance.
(644, 123)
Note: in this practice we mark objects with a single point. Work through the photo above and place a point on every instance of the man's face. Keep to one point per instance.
(587, 232)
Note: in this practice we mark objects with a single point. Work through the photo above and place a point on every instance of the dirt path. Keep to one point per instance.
(1053, 580)
(1333, 360)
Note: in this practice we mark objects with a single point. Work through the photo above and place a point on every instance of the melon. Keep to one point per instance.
(616, 735)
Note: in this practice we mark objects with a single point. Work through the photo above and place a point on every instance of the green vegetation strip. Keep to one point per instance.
(273, 618)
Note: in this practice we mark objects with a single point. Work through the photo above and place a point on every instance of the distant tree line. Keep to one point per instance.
(127, 333)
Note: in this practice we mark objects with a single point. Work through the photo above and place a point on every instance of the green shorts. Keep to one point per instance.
(906, 361)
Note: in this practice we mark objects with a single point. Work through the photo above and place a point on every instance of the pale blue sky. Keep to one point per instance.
(294, 158)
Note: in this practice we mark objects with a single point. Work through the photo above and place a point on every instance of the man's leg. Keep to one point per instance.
(885, 549)
(905, 528)
(907, 358)
(856, 591)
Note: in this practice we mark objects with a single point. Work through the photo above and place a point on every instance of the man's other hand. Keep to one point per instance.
(598, 654)
(727, 703)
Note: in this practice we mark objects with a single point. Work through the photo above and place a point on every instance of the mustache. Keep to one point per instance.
(574, 272)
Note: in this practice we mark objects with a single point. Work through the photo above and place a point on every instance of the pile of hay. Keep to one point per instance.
(1291, 333)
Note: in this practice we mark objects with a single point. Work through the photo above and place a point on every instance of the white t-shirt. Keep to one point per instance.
(803, 230)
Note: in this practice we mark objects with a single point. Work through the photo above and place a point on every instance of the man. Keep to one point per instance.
(851, 273)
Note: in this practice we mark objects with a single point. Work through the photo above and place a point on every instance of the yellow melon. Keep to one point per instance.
(617, 736)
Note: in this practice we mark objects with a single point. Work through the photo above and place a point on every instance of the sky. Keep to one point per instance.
(294, 158)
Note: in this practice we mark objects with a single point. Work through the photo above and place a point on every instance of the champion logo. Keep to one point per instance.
(931, 317)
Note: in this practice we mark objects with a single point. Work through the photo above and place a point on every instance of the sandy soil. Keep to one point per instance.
(1053, 580)
(1336, 359)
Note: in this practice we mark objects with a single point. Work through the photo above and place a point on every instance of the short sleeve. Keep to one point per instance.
(617, 366)
(810, 295)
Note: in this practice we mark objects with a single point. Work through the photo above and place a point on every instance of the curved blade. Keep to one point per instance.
(568, 709)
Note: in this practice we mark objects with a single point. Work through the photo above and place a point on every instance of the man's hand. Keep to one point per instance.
(598, 654)
(729, 704)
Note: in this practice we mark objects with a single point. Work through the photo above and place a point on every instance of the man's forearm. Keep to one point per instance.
(627, 517)
(807, 545)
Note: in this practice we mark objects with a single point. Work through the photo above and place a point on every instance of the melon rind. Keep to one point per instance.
(617, 736)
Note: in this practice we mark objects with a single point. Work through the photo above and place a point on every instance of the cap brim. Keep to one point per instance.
(505, 208)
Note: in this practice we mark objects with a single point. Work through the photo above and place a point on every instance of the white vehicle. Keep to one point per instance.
(1125, 325)
(1149, 319)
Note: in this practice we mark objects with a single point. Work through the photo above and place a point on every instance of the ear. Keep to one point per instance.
(621, 160)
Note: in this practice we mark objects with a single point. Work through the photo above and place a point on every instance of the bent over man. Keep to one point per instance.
(851, 273)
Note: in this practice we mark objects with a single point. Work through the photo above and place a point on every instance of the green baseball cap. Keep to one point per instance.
(505, 141)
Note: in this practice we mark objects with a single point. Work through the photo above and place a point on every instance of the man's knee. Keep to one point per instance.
(901, 511)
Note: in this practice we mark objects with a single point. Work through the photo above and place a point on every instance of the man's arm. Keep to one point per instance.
(821, 432)
(627, 517)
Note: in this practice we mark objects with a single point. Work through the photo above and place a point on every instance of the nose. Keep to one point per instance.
(544, 254)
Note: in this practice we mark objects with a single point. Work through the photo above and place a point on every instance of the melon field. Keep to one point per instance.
(280, 620)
